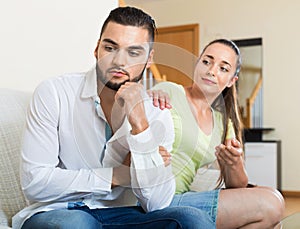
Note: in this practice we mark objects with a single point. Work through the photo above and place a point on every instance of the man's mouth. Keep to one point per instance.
(118, 73)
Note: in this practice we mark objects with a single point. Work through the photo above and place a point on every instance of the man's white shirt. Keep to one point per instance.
(63, 159)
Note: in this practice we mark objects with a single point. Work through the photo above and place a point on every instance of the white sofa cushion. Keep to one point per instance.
(13, 105)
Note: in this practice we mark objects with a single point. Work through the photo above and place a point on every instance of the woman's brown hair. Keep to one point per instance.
(227, 102)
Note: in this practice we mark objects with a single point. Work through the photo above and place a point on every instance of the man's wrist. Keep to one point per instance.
(121, 176)
(139, 127)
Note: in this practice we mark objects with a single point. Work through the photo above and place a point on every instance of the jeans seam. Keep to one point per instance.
(146, 222)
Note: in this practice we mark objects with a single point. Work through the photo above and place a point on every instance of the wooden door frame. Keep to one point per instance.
(192, 52)
(194, 28)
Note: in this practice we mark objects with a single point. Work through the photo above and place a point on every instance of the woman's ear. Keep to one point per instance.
(232, 81)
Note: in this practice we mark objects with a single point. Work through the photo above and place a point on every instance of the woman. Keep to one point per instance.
(208, 129)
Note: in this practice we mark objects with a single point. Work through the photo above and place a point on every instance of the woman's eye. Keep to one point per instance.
(223, 69)
(206, 62)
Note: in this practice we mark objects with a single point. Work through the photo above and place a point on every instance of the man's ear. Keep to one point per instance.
(96, 50)
(150, 58)
(232, 81)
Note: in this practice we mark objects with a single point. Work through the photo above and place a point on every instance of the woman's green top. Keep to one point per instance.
(192, 148)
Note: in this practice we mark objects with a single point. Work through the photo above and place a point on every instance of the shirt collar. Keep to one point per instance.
(90, 84)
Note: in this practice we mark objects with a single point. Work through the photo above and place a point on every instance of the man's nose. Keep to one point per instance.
(119, 58)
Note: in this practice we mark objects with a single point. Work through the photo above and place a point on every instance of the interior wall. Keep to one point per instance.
(41, 39)
(277, 23)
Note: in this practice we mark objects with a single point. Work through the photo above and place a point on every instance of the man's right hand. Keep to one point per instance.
(130, 97)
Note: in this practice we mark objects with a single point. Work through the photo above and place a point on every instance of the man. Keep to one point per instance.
(91, 144)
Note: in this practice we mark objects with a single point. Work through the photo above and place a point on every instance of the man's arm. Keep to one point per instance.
(152, 182)
(43, 177)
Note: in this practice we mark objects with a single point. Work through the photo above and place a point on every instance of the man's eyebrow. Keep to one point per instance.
(107, 40)
(223, 61)
(138, 47)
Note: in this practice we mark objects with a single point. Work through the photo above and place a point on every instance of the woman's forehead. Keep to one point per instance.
(221, 52)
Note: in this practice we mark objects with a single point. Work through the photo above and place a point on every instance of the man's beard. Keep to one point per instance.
(115, 86)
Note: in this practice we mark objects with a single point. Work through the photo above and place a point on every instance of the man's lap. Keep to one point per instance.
(120, 217)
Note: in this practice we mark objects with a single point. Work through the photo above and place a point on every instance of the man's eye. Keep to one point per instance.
(134, 53)
(109, 48)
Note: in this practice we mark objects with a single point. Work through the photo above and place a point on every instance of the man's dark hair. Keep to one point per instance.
(133, 17)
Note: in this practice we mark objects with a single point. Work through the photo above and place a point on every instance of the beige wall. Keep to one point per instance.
(277, 22)
(41, 39)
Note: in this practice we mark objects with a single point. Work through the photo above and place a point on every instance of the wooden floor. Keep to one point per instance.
(292, 205)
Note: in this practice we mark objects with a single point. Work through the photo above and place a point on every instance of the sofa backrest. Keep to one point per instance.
(13, 106)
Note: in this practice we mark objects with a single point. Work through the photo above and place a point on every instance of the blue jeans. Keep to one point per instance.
(205, 201)
(121, 218)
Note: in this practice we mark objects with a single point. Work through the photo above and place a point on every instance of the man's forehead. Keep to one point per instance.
(125, 35)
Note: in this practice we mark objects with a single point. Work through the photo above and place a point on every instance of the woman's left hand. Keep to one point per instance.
(231, 159)
(166, 156)
(230, 154)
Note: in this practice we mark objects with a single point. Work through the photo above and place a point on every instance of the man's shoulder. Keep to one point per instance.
(166, 85)
(71, 78)
(62, 81)
(171, 88)
(154, 113)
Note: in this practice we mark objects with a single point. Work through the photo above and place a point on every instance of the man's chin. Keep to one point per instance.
(115, 86)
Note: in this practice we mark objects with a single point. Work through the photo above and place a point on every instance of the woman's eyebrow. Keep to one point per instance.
(210, 57)
(223, 61)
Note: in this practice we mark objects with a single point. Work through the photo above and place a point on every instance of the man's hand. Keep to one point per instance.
(160, 99)
(166, 156)
(130, 97)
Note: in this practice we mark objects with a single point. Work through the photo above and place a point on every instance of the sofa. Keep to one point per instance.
(13, 105)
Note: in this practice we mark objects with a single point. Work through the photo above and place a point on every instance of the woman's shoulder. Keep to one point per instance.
(168, 86)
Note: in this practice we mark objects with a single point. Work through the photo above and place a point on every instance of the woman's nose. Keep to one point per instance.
(211, 71)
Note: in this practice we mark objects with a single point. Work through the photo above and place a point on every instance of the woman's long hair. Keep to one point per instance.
(227, 103)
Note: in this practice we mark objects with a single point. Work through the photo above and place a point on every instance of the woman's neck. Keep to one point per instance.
(201, 109)
(196, 95)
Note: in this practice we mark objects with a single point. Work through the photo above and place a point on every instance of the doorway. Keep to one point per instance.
(176, 51)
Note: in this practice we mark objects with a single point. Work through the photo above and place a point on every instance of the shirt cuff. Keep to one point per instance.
(145, 150)
(103, 179)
